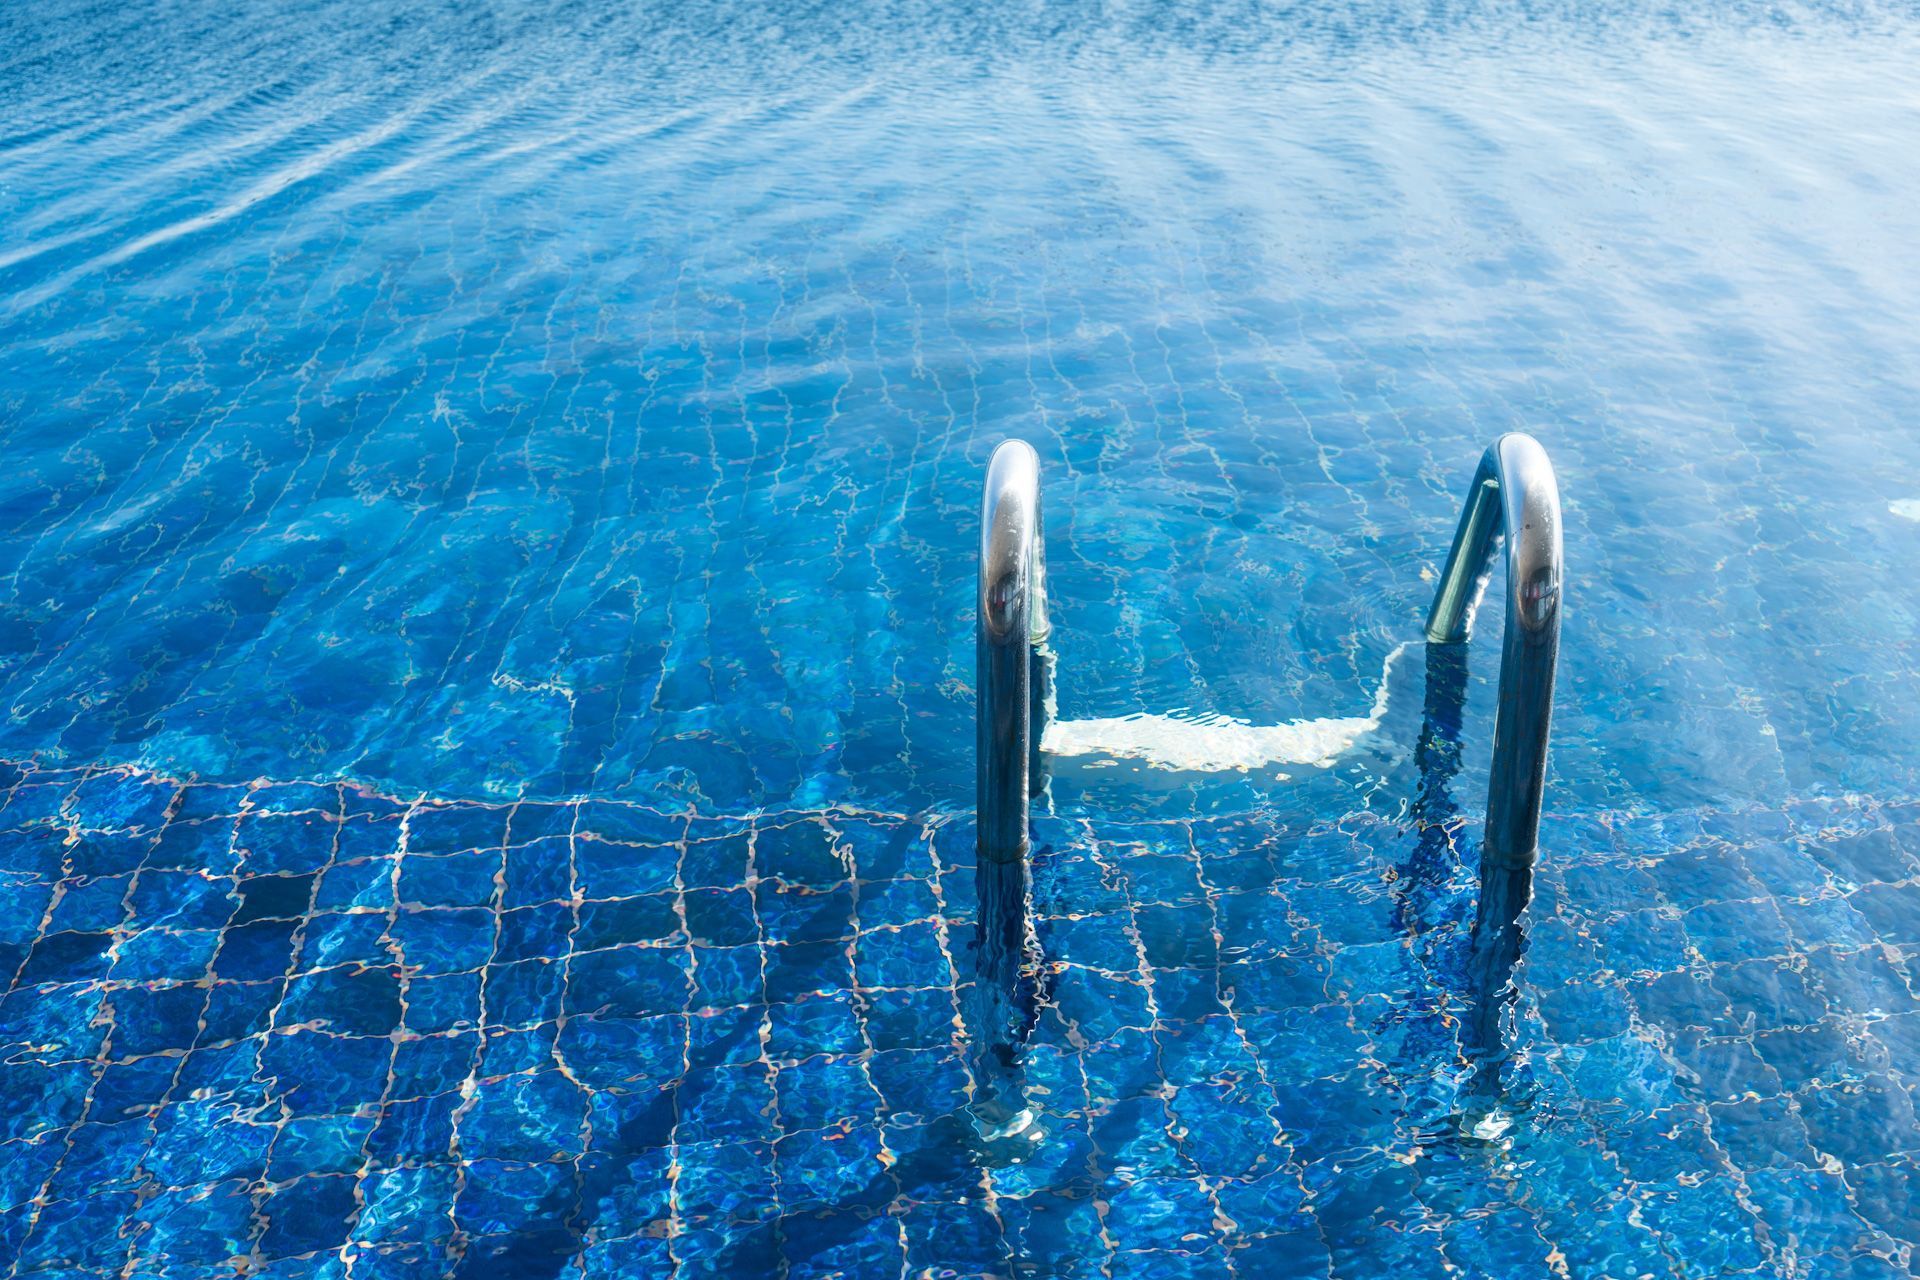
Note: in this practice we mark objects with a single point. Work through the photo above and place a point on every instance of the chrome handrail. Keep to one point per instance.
(1514, 494)
(1012, 667)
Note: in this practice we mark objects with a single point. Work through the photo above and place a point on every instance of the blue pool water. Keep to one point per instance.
(488, 529)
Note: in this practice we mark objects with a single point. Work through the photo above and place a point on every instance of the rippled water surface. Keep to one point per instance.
(487, 548)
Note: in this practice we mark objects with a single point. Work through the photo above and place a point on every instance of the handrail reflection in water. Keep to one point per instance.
(1004, 1006)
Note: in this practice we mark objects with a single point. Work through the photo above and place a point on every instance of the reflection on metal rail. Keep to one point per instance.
(1013, 666)
(1515, 495)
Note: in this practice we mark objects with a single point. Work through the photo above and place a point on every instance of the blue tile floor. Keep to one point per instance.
(297, 1029)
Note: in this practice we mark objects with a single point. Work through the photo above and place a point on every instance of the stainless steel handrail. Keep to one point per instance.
(1011, 633)
(1514, 494)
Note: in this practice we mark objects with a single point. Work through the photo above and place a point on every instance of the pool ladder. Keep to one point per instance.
(1514, 495)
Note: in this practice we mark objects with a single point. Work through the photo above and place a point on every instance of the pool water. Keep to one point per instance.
(489, 529)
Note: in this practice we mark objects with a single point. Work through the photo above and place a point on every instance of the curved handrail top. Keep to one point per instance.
(1530, 510)
(1516, 480)
(1010, 566)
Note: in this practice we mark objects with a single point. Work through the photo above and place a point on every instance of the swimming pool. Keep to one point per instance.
(489, 535)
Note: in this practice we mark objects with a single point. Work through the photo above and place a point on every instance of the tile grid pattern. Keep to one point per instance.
(309, 1029)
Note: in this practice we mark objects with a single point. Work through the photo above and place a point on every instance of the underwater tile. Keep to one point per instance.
(721, 917)
(728, 1181)
(726, 976)
(365, 883)
(363, 837)
(431, 941)
(1162, 1211)
(820, 1091)
(204, 1140)
(41, 1097)
(131, 1088)
(1732, 931)
(35, 804)
(525, 993)
(1099, 1005)
(444, 1002)
(538, 1116)
(181, 900)
(848, 1240)
(101, 854)
(798, 914)
(1825, 1052)
(68, 1238)
(728, 1104)
(607, 870)
(827, 1023)
(455, 828)
(795, 970)
(906, 956)
(516, 1213)
(403, 1205)
(1105, 942)
(632, 981)
(285, 844)
(538, 872)
(350, 1000)
(918, 1085)
(203, 846)
(628, 824)
(67, 957)
(341, 938)
(798, 853)
(318, 1074)
(527, 933)
(255, 952)
(650, 918)
(605, 1052)
(885, 850)
(532, 821)
(121, 800)
(719, 861)
(156, 1019)
(310, 1214)
(273, 897)
(160, 955)
(909, 1018)
(89, 904)
(192, 1227)
(449, 880)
